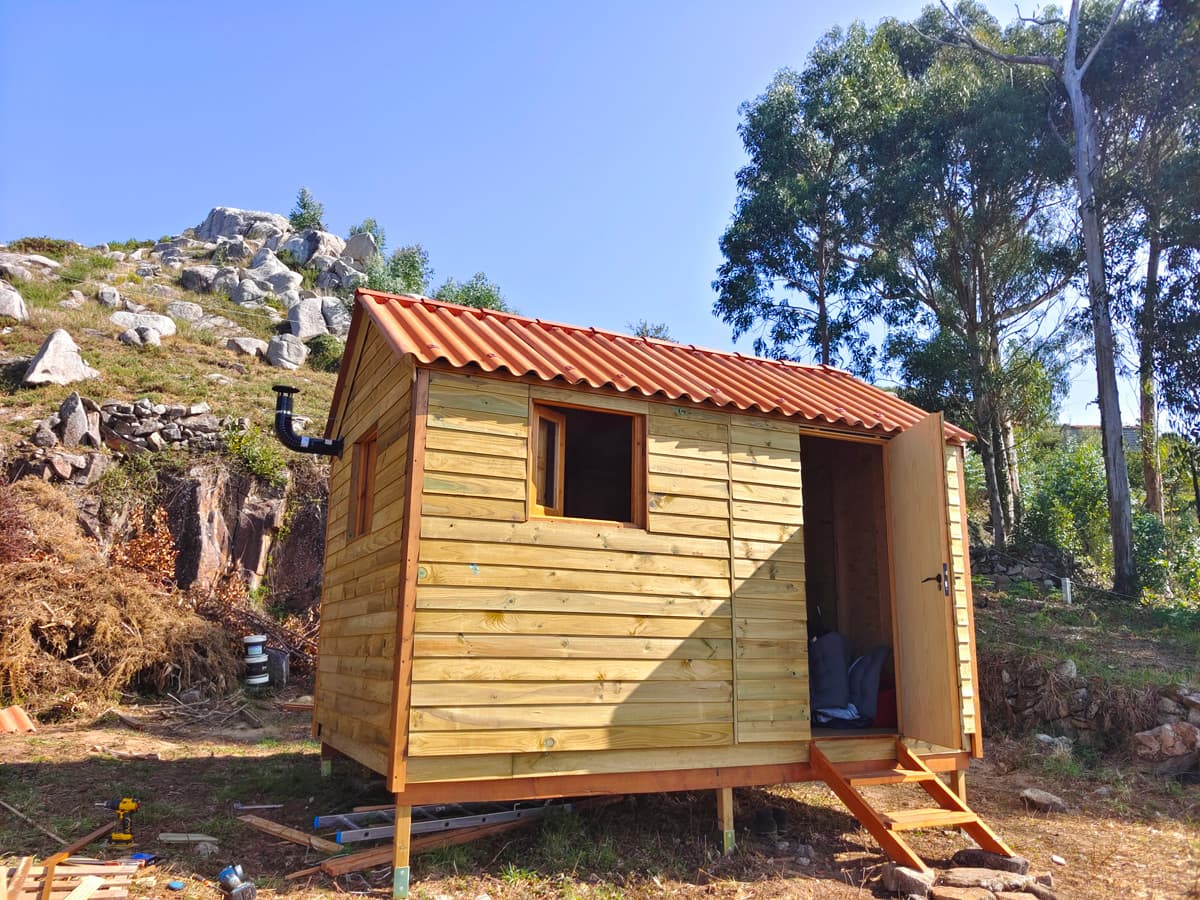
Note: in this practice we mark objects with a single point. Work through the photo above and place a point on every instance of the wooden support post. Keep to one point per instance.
(725, 818)
(400, 847)
(958, 783)
(327, 754)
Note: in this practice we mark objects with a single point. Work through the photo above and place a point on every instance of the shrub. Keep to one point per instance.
(325, 352)
(1068, 505)
(131, 245)
(257, 454)
(44, 246)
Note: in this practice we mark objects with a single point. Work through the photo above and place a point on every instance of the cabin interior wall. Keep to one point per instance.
(845, 541)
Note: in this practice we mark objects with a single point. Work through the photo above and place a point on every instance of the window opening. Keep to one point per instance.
(587, 464)
(362, 500)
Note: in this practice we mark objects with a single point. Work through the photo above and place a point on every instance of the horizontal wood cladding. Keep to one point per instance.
(585, 640)
(360, 591)
(768, 586)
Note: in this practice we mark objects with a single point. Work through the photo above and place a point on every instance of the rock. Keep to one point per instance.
(115, 255)
(320, 262)
(151, 337)
(277, 667)
(58, 362)
(204, 423)
(147, 270)
(72, 421)
(1168, 749)
(164, 325)
(74, 300)
(286, 351)
(945, 892)
(910, 882)
(198, 278)
(226, 280)
(183, 311)
(272, 275)
(989, 879)
(43, 435)
(307, 320)
(228, 221)
(1054, 744)
(974, 858)
(1043, 801)
(109, 296)
(129, 306)
(247, 346)
(130, 337)
(1067, 669)
(289, 298)
(231, 249)
(1169, 707)
(349, 276)
(360, 247)
(218, 324)
(247, 292)
(27, 266)
(1188, 698)
(1058, 860)
(12, 304)
(309, 243)
(337, 317)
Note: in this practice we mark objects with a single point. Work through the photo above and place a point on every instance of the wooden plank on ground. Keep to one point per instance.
(291, 834)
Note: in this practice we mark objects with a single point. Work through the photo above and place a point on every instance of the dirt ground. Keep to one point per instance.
(1125, 836)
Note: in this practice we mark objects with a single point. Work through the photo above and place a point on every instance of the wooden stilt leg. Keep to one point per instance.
(725, 818)
(327, 754)
(400, 847)
(958, 783)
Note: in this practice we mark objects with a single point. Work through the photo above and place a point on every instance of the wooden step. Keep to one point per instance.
(889, 776)
(932, 817)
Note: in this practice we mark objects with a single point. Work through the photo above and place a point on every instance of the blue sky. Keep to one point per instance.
(581, 154)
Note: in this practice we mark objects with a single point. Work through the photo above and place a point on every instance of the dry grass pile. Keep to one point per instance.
(76, 629)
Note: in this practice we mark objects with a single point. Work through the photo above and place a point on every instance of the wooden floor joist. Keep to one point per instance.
(291, 834)
(951, 811)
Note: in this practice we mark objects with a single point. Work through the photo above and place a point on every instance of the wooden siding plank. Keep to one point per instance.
(559, 647)
(431, 622)
(454, 597)
(563, 739)
(544, 670)
(533, 693)
(476, 718)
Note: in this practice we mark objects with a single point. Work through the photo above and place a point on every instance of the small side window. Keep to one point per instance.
(587, 464)
(362, 482)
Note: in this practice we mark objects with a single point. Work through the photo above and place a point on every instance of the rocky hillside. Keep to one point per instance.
(137, 377)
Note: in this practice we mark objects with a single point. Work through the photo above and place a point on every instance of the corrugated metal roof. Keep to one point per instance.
(432, 331)
(14, 720)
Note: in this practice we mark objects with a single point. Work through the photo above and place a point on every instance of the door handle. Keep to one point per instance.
(942, 578)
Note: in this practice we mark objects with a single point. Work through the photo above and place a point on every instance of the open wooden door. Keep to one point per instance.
(926, 679)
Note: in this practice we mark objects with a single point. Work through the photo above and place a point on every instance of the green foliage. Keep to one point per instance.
(372, 227)
(325, 352)
(647, 329)
(477, 292)
(54, 248)
(136, 479)
(1150, 553)
(257, 454)
(1068, 505)
(307, 213)
(406, 271)
(130, 245)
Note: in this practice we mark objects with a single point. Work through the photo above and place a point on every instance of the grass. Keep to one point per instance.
(176, 372)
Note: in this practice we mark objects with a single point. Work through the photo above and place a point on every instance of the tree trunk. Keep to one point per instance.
(1120, 517)
(987, 456)
(1192, 453)
(1151, 474)
(1014, 470)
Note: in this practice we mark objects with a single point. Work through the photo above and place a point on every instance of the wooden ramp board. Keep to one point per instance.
(68, 882)
(950, 811)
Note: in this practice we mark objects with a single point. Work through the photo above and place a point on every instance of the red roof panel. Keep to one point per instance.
(432, 331)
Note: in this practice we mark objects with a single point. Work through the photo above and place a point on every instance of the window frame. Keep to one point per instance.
(364, 461)
(552, 411)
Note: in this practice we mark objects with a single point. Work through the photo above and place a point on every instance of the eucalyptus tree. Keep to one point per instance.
(966, 205)
(794, 249)
(1075, 52)
(1148, 110)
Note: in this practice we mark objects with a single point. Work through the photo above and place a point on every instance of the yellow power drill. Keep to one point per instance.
(125, 807)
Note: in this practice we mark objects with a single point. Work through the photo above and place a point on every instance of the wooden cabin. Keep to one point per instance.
(562, 561)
